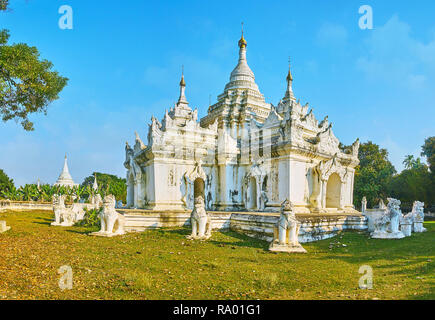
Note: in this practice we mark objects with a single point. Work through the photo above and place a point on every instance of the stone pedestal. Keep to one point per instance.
(406, 229)
(418, 226)
(275, 246)
(3, 226)
(105, 234)
(381, 234)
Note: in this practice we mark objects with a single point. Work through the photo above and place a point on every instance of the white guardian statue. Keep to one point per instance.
(200, 220)
(418, 216)
(287, 232)
(63, 216)
(387, 225)
(112, 222)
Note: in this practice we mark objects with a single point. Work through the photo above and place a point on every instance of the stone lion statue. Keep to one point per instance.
(287, 220)
(96, 201)
(63, 216)
(286, 237)
(112, 222)
(387, 225)
(200, 220)
(417, 215)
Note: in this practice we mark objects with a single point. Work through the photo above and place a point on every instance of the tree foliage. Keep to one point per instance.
(108, 184)
(376, 178)
(372, 175)
(428, 150)
(91, 218)
(411, 162)
(27, 83)
(44, 193)
(410, 185)
(6, 183)
(4, 5)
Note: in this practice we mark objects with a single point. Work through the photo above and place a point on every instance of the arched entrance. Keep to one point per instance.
(198, 188)
(252, 194)
(333, 191)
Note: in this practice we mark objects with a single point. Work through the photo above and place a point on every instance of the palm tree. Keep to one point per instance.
(409, 161)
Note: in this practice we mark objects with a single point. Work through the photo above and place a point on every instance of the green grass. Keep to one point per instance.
(163, 264)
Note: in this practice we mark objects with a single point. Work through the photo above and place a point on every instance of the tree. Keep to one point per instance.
(412, 163)
(372, 175)
(411, 184)
(6, 184)
(108, 184)
(27, 84)
(408, 161)
(429, 152)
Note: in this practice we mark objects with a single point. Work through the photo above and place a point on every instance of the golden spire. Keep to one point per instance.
(289, 92)
(242, 41)
(182, 82)
(289, 75)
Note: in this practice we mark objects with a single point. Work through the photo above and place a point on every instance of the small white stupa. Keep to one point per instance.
(65, 178)
(95, 185)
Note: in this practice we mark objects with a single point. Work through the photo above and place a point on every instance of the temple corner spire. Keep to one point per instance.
(289, 91)
(182, 98)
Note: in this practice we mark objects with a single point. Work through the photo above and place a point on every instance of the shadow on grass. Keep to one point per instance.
(244, 241)
(82, 230)
(44, 221)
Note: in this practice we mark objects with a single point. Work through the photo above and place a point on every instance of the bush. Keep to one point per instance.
(91, 218)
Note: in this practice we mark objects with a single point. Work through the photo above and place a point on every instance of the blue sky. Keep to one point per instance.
(124, 61)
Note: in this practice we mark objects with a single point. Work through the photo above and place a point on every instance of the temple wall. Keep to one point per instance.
(348, 199)
(372, 215)
(168, 183)
(297, 182)
(256, 225)
(140, 220)
(283, 179)
(25, 205)
(313, 228)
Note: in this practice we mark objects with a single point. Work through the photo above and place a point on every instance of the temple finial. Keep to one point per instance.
(289, 91)
(289, 75)
(182, 98)
(242, 41)
(182, 82)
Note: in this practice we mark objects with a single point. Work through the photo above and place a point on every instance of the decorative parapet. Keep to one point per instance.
(25, 205)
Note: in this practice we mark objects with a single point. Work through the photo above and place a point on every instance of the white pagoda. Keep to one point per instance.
(65, 178)
(245, 154)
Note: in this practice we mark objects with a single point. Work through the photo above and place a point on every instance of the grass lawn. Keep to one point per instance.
(163, 264)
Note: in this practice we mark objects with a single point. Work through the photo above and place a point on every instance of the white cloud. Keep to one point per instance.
(393, 55)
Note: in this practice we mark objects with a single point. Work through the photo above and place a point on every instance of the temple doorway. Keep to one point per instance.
(333, 190)
(252, 194)
(198, 188)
